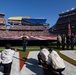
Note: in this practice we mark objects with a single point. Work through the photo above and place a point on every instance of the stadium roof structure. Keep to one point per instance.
(2, 14)
(28, 19)
(73, 10)
(15, 18)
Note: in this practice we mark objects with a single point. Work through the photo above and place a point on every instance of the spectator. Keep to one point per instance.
(72, 39)
(55, 62)
(7, 58)
(24, 41)
(58, 41)
(43, 55)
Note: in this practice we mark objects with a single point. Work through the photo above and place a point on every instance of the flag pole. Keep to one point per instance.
(69, 28)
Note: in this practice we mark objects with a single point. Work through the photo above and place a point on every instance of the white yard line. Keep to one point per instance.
(70, 69)
(15, 66)
(70, 53)
(31, 66)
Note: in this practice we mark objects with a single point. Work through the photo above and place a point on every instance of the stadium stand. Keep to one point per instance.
(65, 18)
(2, 19)
(19, 25)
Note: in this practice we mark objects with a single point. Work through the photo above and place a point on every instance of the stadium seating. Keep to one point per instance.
(18, 27)
(62, 23)
(19, 30)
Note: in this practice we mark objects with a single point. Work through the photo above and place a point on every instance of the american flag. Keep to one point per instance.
(30, 38)
(69, 29)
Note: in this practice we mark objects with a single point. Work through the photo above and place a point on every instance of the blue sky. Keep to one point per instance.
(48, 9)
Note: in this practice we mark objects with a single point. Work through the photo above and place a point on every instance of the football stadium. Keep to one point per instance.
(36, 29)
(65, 18)
(39, 33)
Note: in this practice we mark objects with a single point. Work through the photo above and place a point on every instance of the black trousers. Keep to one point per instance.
(68, 45)
(51, 69)
(63, 46)
(7, 68)
(58, 44)
(72, 45)
(40, 59)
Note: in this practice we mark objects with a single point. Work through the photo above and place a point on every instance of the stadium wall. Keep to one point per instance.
(30, 42)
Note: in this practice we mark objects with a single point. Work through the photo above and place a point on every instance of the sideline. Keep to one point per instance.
(71, 62)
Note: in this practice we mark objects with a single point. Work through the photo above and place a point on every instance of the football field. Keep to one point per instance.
(31, 67)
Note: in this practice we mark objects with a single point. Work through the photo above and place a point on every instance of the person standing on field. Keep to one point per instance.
(68, 42)
(7, 59)
(72, 39)
(63, 41)
(24, 41)
(58, 41)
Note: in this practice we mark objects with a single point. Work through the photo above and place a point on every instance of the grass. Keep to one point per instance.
(33, 48)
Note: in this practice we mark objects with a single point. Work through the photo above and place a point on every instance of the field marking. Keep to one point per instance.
(67, 71)
(31, 66)
(68, 58)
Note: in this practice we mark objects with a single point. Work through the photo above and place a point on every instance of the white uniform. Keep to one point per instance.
(7, 56)
(44, 54)
(57, 61)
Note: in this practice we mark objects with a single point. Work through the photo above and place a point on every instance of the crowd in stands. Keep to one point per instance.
(2, 27)
(18, 27)
(18, 30)
(27, 27)
(2, 19)
(65, 19)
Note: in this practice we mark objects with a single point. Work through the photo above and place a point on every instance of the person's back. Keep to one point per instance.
(7, 56)
(57, 61)
(44, 54)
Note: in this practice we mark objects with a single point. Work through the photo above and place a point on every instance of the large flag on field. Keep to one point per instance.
(29, 38)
